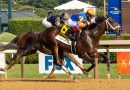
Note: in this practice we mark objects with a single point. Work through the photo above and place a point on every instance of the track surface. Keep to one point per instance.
(64, 84)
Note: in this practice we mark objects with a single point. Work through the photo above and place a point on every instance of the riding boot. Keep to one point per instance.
(73, 48)
(71, 36)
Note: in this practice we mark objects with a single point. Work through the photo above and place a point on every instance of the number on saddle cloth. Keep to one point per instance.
(64, 30)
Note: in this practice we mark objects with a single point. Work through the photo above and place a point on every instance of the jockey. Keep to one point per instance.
(51, 20)
(82, 20)
(78, 22)
(64, 18)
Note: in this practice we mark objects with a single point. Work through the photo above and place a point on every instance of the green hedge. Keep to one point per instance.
(28, 60)
(20, 25)
(4, 38)
(112, 37)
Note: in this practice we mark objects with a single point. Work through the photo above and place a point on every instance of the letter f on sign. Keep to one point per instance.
(48, 62)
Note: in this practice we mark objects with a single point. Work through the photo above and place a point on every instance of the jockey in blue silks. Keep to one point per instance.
(78, 22)
(81, 20)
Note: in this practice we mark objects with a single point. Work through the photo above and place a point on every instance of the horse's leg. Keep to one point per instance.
(104, 56)
(45, 50)
(61, 57)
(13, 61)
(52, 71)
(20, 53)
(92, 66)
(91, 60)
(56, 56)
(55, 64)
(71, 57)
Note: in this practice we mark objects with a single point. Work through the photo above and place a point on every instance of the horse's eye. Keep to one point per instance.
(110, 21)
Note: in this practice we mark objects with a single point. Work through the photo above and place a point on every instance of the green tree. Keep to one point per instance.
(46, 4)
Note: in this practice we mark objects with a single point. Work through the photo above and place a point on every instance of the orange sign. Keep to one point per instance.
(123, 62)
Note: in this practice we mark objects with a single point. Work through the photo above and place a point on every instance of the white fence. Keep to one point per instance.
(42, 59)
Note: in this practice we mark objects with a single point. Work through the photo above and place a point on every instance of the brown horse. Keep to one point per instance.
(86, 45)
(88, 42)
(29, 42)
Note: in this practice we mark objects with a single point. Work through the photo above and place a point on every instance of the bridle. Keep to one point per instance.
(109, 24)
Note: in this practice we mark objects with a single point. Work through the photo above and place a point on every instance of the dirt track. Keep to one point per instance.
(65, 84)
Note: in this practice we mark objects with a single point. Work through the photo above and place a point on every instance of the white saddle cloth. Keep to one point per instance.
(63, 40)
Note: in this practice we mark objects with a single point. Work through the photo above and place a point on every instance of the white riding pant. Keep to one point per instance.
(46, 23)
(72, 23)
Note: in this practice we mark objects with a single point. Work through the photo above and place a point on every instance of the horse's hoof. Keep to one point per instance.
(88, 75)
(84, 71)
(52, 76)
(1, 69)
(5, 69)
(47, 78)
(71, 76)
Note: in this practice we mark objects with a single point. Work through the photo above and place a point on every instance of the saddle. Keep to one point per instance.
(70, 33)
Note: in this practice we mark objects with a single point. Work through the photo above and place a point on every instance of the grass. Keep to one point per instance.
(6, 37)
(31, 71)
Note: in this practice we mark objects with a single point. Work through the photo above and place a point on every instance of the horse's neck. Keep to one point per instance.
(97, 32)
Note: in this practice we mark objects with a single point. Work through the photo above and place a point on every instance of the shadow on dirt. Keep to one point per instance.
(39, 80)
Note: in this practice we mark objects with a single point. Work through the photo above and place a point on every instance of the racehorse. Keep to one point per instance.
(88, 42)
(86, 45)
(28, 43)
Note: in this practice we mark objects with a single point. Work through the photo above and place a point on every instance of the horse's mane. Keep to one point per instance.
(98, 20)
(91, 26)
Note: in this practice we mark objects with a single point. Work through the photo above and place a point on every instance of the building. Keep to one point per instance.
(126, 16)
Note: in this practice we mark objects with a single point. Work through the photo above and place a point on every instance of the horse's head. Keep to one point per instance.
(110, 24)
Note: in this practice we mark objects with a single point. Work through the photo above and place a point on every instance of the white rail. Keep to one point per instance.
(99, 50)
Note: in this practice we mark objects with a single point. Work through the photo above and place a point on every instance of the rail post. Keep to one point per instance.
(108, 63)
(96, 68)
(22, 67)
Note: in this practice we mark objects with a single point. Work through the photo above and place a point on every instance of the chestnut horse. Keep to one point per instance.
(29, 42)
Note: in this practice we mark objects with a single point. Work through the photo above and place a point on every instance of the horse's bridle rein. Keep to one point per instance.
(109, 24)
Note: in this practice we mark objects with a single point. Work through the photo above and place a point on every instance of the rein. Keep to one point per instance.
(108, 24)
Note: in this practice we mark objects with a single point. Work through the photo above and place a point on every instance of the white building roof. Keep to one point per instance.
(72, 5)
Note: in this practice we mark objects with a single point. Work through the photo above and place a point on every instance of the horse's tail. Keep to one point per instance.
(10, 45)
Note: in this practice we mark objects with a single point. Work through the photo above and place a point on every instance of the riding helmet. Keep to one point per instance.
(65, 16)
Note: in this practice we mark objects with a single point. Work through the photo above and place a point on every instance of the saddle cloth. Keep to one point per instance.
(63, 40)
(67, 42)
